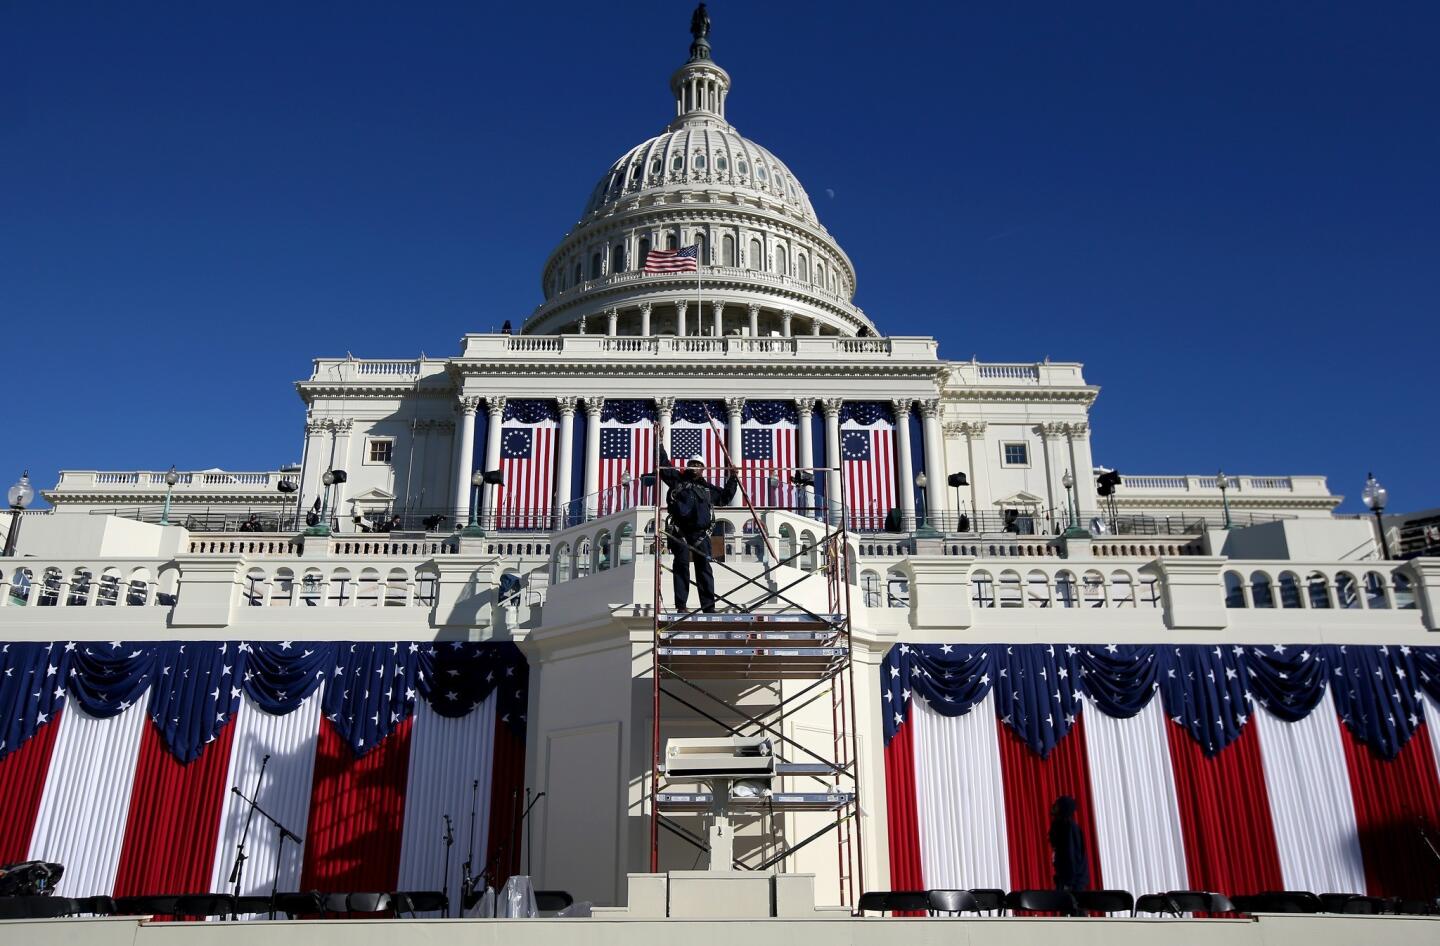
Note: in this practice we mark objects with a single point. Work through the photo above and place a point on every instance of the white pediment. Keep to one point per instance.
(1021, 498)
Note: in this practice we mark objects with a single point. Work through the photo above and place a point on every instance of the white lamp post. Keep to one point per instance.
(171, 478)
(20, 496)
(923, 529)
(477, 480)
(1073, 530)
(1375, 496)
(1223, 481)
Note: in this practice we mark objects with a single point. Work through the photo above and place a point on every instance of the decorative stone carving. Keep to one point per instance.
(495, 404)
(593, 406)
(1079, 430)
(735, 405)
(930, 409)
(567, 403)
(831, 405)
(805, 408)
(902, 407)
(467, 403)
(1053, 430)
(665, 405)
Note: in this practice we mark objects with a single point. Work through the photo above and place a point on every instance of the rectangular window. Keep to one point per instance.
(1016, 454)
(379, 450)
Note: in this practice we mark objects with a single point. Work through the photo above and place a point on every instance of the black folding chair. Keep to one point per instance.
(1176, 902)
(891, 901)
(97, 906)
(42, 907)
(369, 903)
(146, 906)
(1105, 901)
(989, 899)
(419, 901)
(1415, 907)
(552, 901)
(300, 904)
(1351, 903)
(1041, 901)
(254, 903)
(951, 902)
(205, 905)
(13, 908)
(1279, 901)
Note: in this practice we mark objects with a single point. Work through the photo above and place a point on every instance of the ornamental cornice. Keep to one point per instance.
(1006, 395)
(310, 391)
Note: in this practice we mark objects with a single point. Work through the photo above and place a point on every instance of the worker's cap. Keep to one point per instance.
(695, 463)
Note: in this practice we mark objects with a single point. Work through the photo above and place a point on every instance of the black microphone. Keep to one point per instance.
(266, 759)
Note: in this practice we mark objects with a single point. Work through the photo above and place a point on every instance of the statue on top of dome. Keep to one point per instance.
(700, 23)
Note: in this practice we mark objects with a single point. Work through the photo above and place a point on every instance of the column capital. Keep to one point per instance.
(665, 404)
(467, 403)
(567, 403)
(930, 408)
(831, 405)
(1053, 431)
(754, 308)
(316, 426)
(735, 405)
(581, 325)
(593, 406)
(1078, 429)
(805, 407)
(902, 406)
(974, 429)
(717, 307)
(645, 307)
(495, 404)
(682, 306)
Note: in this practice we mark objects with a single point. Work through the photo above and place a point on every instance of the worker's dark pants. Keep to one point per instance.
(685, 546)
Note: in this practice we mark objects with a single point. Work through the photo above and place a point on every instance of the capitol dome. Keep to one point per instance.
(767, 266)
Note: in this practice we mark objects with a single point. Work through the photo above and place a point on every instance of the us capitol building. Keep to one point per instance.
(759, 354)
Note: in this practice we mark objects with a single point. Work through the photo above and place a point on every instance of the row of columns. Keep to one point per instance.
(936, 495)
(717, 320)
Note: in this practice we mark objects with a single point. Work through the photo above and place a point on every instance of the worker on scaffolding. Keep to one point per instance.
(687, 527)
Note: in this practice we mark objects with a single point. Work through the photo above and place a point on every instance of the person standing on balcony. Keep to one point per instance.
(691, 517)
(1072, 873)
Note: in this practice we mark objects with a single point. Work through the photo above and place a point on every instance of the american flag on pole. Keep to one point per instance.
(627, 445)
(867, 461)
(683, 260)
(527, 459)
(692, 435)
(767, 437)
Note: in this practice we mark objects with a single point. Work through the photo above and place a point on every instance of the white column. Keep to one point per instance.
(831, 407)
(664, 413)
(937, 492)
(645, 318)
(717, 310)
(313, 462)
(612, 318)
(905, 467)
(1078, 436)
(735, 407)
(754, 320)
(785, 319)
(465, 449)
(495, 408)
(564, 458)
(680, 308)
(592, 453)
(1055, 465)
(814, 326)
(341, 461)
(804, 410)
(977, 454)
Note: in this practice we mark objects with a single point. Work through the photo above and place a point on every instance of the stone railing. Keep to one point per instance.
(74, 583)
(1236, 485)
(375, 370)
(976, 373)
(682, 347)
(718, 275)
(152, 481)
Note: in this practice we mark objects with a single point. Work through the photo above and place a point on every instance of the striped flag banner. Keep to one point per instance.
(769, 451)
(692, 435)
(683, 260)
(527, 459)
(867, 462)
(1236, 769)
(627, 446)
(118, 760)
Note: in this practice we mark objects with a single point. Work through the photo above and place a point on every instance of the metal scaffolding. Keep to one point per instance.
(765, 641)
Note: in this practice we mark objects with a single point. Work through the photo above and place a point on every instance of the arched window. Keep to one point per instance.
(1347, 592)
(603, 551)
(757, 257)
(727, 249)
(395, 588)
(625, 543)
(782, 263)
(820, 272)
(1319, 590)
(367, 589)
(584, 556)
(982, 590)
(870, 588)
(1234, 590)
(1122, 590)
(1094, 590)
(579, 274)
(1065, 590)
(79, 588)
(1037, 587)
(897, 589)
(1290, 591)
(562, 563)
(1261, 594)
(254, 593)
(282, 588)
(644, 250)
(1375, 596)
(617, 258)
(700, 249)
(1010, 589)
(108, 594)
(595, 265)
(672, 242)
(1404, 592)
(802, 268)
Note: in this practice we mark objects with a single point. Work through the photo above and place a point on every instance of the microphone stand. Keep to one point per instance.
(240, 855)
(467, 876)
(285, 835)
(519, 822)
(445, 874)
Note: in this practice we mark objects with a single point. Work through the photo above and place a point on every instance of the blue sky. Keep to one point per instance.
(1226, 210)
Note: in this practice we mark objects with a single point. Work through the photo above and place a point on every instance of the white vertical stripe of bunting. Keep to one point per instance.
(290, 741)
(1432, 726)
(1311, 807)
(1132, 788)
(959, 798)
(447, 756)
(86, 800)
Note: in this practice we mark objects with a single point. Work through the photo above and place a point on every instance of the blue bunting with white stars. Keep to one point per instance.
(1209, 690)
(193, 689)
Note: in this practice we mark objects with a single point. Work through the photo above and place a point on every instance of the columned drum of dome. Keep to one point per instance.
(767, 265)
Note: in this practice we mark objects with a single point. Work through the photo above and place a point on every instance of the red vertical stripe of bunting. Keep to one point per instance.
(1390, 797)
(357, 810)
(22, 779)
(1031, 786)
(901, 814)
(1225, 814)
(174, 819)
(507, 801)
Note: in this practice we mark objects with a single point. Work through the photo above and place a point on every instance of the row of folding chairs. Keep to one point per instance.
(1089, 902)
(206, 905)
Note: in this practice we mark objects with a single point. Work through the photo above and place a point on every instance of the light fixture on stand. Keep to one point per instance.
(20, 495)
(1375, 496)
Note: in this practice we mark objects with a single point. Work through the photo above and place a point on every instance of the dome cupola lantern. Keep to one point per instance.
(700, 86)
